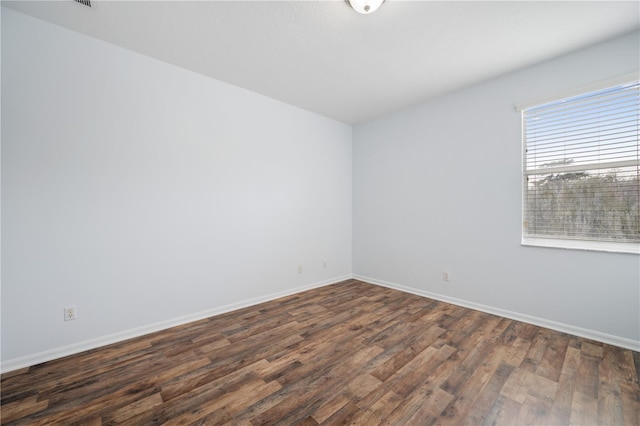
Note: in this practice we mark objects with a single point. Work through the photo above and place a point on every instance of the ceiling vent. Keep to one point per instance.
(85, 2)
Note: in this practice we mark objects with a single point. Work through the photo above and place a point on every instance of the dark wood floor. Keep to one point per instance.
(349, 353)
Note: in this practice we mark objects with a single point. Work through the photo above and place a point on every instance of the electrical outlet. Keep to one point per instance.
(69, 313)
(299, 269)
(445, 276)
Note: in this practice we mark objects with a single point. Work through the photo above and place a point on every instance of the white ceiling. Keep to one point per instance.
(324, 57)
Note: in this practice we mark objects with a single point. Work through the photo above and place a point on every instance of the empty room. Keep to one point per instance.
(320, 212)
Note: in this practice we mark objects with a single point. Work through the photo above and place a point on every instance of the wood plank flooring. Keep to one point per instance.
(348, 353)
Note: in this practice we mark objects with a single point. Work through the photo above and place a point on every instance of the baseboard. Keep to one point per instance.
(541, 322)
(29, 360)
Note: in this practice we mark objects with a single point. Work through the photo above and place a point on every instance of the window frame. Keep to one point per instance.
(569, 243)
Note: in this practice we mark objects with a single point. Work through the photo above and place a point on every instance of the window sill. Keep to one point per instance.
(630, 248)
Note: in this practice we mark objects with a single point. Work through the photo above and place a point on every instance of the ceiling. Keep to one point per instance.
(324, 57)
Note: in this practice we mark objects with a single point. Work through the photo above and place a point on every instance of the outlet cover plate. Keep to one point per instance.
(69, 313)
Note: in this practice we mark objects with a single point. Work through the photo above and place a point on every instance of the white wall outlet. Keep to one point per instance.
(324, 264)
(445, 276)
(69, 313)
(299, 269)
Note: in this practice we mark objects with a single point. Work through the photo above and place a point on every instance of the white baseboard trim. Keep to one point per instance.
(553, 325)
(29, 360)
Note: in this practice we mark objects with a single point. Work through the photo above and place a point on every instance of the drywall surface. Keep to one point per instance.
(437, 187)
(140, 192)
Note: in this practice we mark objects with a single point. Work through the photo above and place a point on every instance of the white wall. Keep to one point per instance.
(142, 193)
(438, 187)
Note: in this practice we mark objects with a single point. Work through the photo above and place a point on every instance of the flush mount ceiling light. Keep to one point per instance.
(365, 6)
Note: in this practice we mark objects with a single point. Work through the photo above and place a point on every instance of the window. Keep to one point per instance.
(582, 171)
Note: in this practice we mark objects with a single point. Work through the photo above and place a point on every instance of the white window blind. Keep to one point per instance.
(582, 170)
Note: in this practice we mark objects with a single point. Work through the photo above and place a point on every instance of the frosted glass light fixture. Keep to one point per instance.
(365, 6)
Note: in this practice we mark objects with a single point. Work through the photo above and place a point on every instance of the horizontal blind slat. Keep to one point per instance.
(562, 123)
(551, 137)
